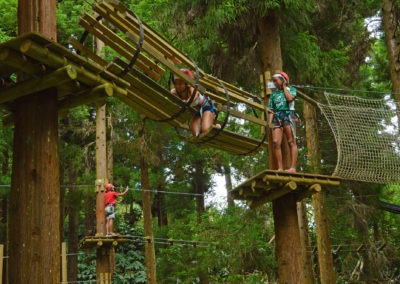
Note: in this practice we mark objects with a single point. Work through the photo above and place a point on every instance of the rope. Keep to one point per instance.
(366, 132)
(344, 90)
(134, 189)
(138, 50)
(265, 131)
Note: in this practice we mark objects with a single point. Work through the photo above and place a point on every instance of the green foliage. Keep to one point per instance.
(8, 19)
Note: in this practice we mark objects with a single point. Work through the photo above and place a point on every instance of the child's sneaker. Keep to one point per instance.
(291, 170)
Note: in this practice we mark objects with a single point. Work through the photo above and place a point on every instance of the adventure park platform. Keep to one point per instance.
(270, 185)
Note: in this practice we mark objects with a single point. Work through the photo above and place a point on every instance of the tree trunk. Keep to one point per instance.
(150, 256)
(288, 246)
(160, 203)
(110, 151)
(287, 239)
(35, 192)
(199, 187)
(305, 243)
(103, 265)
(325, 258)
(228, 185)
(73, 226)
(391, 18)
(35, 187)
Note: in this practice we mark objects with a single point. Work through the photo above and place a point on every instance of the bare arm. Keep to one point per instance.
(288, 95)
(123, 193)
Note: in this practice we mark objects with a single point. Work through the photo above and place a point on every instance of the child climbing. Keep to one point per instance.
(110, 201)
(282, 119)
(203, 120)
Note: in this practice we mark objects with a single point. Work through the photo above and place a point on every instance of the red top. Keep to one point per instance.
(110, 197)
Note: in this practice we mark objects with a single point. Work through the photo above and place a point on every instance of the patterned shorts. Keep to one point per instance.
(110, 212)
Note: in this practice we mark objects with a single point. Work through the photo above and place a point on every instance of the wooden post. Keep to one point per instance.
(305, 243)
(1, 263)
(150, 256)
(288, 246)
(35, 187)
(64, 270)
(103, 266)
(325, 258)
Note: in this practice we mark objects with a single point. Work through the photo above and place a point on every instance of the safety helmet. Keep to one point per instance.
(186, 71)
(286, 76)
(109, 187)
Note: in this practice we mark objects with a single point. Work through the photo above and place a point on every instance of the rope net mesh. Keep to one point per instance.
(367, 137)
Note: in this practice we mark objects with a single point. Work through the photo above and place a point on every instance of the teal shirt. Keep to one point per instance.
(278, 102)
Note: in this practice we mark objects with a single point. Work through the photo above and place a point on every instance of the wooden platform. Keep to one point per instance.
(93, 242)
(44, 64)
(269, 185)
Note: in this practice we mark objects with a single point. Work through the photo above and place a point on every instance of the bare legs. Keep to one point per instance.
(205, 122)
(277, 135)
(292, 145)
(110, 226)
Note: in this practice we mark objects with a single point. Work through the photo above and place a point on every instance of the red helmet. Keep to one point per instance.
(286, 76)
(109, 187)
(187, 72)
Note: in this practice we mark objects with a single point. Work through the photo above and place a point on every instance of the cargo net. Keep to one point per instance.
(367, 137)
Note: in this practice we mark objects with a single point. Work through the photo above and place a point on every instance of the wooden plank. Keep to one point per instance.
(56, 60)
(154, 37)
(106, 32)
(243, 115)
(286, 189)
(28, 87)
(64, 271)
(15, 61)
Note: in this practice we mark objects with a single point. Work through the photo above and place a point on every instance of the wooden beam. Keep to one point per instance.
(18, 62)
(295, 178)
(308, 191)
(272, 195)
(60, 76)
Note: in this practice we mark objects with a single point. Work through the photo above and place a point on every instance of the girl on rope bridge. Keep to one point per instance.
(282, 119)
(203, 120)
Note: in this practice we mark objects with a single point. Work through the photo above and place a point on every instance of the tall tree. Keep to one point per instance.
(391, 26)
(35, 194)
(150, 257)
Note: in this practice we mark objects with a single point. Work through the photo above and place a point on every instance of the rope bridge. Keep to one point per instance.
(367, 137)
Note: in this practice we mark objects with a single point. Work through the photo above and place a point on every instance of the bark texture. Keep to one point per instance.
(35, 187)
(150, 255)
(288, 245)
(325, 258)
(35, 192)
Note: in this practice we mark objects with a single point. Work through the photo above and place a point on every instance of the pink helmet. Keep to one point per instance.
(286, 76)
(186, 71)
(109, 187)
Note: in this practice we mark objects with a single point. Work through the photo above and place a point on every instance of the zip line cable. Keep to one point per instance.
(343, 90)
(130, 189)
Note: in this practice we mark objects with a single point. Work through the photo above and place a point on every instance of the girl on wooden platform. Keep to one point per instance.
(282, 119)
(110, 201)
(203, 120)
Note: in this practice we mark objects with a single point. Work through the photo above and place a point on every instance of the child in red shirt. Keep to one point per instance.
(110, 201)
